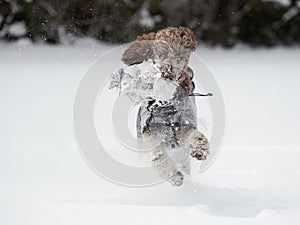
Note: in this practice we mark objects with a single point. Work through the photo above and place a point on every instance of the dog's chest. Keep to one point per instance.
(163, 118)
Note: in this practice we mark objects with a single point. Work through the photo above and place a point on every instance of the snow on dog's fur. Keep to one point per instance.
(158, 78)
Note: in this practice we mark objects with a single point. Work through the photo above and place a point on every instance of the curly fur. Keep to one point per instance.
(170, 49)
(137, 52)
(146, 37)
(182, 36)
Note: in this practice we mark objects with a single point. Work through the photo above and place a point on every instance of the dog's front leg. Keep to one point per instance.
(194, 142)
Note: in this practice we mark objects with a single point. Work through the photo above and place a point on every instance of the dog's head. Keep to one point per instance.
(178, 37)
(170, 40)
(169, 48)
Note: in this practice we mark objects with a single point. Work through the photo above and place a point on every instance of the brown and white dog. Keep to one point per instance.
(174, 121)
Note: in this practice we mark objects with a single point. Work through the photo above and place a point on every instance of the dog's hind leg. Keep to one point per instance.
(166, 167)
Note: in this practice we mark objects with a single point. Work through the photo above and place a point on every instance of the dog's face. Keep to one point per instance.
(171, 59)
(172, 49)
(182, 36)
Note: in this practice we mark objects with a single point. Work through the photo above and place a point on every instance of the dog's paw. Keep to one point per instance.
(176, 179)
(197, 145)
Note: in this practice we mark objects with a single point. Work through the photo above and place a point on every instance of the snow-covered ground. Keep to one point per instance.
(44, 180)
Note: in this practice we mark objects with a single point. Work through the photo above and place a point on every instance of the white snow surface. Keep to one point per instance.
(44, 180)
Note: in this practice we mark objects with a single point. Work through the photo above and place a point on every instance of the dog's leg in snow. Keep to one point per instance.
(166, 167)
(194, 142)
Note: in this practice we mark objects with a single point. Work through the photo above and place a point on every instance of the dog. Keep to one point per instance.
(160, 80)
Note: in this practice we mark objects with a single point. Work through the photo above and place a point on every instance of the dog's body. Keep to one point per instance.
(167, 112)
(169, 123)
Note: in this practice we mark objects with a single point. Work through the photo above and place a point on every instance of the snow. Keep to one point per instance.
(292, 12)
(281, 2)
(17, 29)
(141, 82)
(147, 20)
(44, 180)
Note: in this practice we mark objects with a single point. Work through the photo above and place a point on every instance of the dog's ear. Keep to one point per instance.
(146, 37)
(137, 52)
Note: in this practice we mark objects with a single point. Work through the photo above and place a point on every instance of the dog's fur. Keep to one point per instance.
(170, 49)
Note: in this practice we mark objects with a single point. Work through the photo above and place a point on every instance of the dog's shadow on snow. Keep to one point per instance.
(223, 202)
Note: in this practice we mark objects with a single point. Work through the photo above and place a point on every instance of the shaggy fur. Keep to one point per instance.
(170, 49)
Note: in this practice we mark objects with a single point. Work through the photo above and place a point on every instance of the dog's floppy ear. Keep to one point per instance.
(137, 52)
(140, 50)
